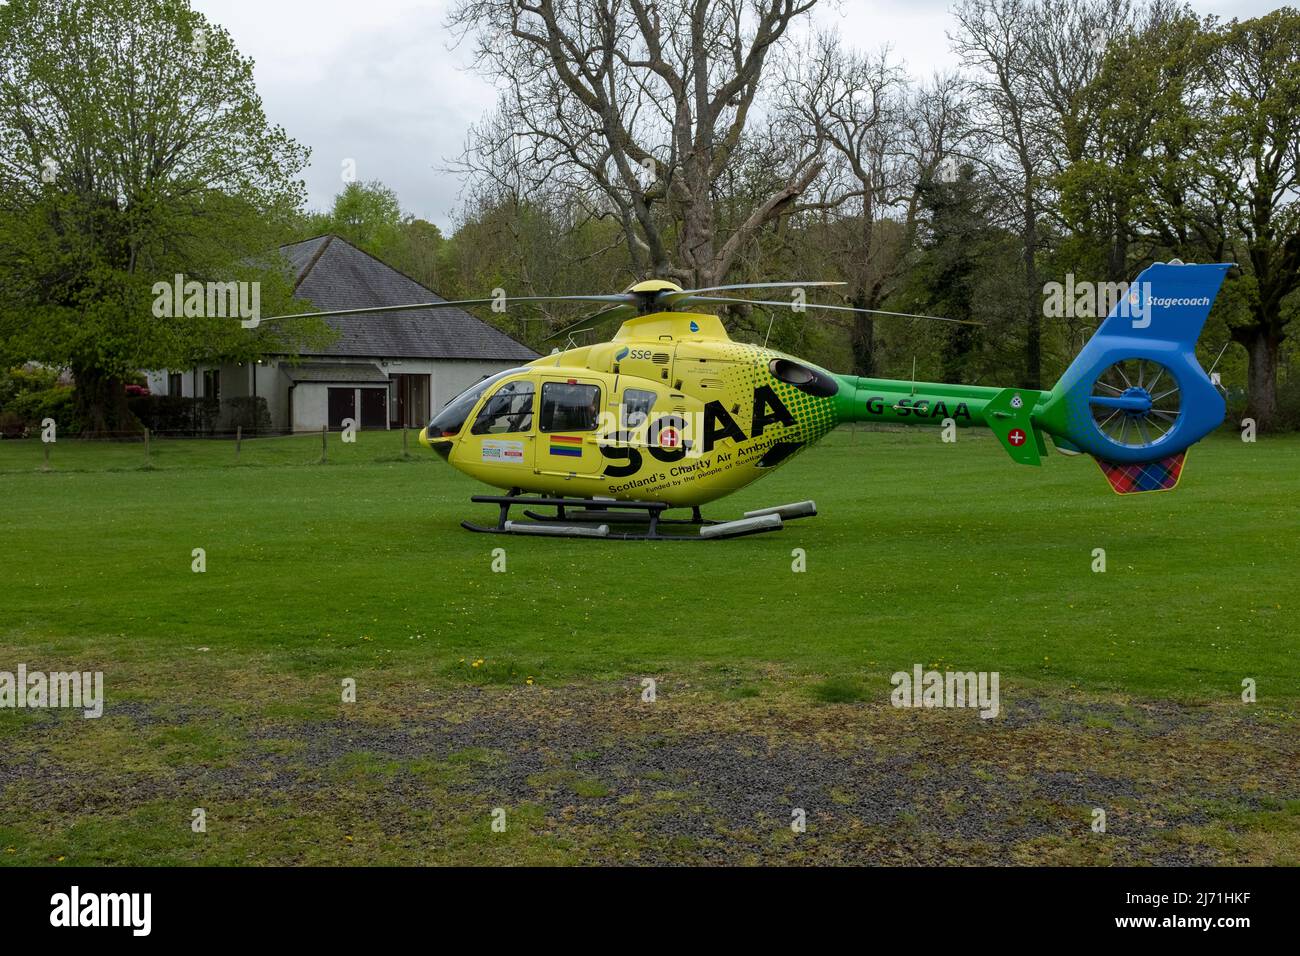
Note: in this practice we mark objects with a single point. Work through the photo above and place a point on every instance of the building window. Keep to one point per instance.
(212, 384)
(174, 387)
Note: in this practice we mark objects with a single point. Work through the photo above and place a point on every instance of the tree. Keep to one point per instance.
(884, 138)
(367, 215)
(994, 40)
(133, 147)
(1202, 142)
(1252, 153)
(640, 109)
(1032, 61)
(959, 251)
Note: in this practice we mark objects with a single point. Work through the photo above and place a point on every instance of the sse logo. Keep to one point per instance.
(634, 354)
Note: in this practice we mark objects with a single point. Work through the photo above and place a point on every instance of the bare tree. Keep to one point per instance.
(639, 109)
(1035, 63)
(993, 38)
(883, 139)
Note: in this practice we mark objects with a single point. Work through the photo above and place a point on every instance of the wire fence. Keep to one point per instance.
(47, 450)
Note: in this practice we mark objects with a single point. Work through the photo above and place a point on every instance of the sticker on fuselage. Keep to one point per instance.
(510, 452)
(566, 446)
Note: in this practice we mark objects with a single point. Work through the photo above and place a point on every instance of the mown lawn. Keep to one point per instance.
(922, 553)
(523, 687)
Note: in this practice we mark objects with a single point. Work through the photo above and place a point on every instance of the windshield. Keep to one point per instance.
(451, 419)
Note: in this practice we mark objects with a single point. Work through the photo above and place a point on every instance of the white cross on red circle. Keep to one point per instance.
(1017, 437)
(669, 438)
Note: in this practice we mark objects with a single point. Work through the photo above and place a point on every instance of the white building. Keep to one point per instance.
(384, 370)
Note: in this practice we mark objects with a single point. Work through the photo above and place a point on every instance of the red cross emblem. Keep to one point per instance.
(670, 438)
(1017, 437)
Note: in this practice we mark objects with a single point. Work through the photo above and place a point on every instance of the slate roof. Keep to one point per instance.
(343, 372)
(331, 273)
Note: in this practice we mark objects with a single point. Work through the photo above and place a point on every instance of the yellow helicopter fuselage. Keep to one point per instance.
(670, 410)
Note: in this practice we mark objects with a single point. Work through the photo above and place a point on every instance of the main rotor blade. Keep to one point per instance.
(668, 298)
(591, 321)
(833, 308)
(415, 307)
(671, 297)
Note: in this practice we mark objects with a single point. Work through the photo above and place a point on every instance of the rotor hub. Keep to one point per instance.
(1139, 401)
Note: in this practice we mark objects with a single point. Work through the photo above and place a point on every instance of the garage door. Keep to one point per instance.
(342, 404)
(374, 407)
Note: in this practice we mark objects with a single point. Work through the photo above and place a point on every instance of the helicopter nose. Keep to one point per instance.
(441, 445)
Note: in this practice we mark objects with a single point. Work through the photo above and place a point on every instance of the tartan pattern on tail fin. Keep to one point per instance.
(1159, 475)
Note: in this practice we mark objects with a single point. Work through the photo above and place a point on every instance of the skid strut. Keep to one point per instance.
(597, 517)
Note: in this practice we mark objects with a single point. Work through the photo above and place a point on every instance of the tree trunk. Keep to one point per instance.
(1034, 298)
(100, 404)
(696, 246)
(1262, 347)
(862, 338)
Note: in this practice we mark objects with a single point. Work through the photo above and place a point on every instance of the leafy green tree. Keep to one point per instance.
(949, 271)
(367, 215)
(1196, 157)
(1252, 155)
(1138, 113)
(965, 269)
(133, 147)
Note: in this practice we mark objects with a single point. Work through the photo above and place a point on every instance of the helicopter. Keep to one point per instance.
(672, 413)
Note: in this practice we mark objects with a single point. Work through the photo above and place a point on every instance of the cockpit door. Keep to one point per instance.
(568, 414)
(499, 441)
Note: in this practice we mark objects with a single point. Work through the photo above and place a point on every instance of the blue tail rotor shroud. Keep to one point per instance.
(1158, 320)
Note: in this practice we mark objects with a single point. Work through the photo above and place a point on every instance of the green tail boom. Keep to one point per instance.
(1007, 412)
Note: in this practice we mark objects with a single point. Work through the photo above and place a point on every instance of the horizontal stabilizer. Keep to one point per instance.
(1008, 416)
(1159, 475)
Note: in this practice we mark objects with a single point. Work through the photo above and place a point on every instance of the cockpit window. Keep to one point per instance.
(637, 404)
(569, 407)
(809, 380)
(451, 419)
(510, 409)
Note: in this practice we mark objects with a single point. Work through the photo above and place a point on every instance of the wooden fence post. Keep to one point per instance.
(324, 448)
(146, 446)
(405, 453)
(239, 438)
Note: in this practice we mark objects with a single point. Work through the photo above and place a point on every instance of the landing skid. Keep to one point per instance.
(592, 518)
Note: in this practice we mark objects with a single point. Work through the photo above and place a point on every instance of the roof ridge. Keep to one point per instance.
(311, 264)
(393, 268)
(438, 333)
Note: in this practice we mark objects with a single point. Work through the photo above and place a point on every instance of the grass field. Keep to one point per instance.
(522, 690)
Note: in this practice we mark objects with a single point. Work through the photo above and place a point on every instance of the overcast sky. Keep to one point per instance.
(379, 82)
